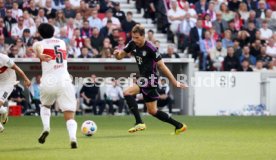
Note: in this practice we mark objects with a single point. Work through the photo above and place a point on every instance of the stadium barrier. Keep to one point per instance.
(235, 93)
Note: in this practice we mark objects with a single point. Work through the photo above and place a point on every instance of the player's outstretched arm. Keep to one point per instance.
(165, 70)
(27, 82)
(119, 54)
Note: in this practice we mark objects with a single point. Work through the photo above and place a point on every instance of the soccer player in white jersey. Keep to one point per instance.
(7, 82)
(56, 85)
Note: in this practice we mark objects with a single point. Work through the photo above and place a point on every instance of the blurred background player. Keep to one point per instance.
(148, 59)
(7, 82)
(114, 96)
(164, 95)
(91, 94)
(17, 96)
(56, 84)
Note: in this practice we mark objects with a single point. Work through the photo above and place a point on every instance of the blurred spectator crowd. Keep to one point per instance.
(90, 28)
(227, 35)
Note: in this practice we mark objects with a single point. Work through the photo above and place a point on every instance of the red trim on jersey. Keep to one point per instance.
(3, 69)
(51, 52)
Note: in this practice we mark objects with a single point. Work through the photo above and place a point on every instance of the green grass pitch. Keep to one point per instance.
(207, 138)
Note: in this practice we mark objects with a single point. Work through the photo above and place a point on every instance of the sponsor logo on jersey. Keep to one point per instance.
(144, 53)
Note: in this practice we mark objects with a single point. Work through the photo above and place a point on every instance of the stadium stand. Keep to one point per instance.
(170, 21)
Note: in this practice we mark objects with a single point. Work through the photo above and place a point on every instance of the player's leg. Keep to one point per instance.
(48, 98)
(4, 94)
(169, 104)
(45, 114)
(110, 107)
(71, 127)
(1, 112)
(152, 109)
(132, 104)
(129, 94)
(150, 97)
(101, 105)
(165, 102)
(120, 105)
(1, 128)
(94, 105)
(68, 104)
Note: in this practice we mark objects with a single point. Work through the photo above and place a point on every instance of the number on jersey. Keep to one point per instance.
(59, 56)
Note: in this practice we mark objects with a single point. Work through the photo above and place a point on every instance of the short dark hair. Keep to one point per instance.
(46, 30)
(27, 30)
(95, 28)
(236, 40)
(245, 60)
(129, 13)
(109, 11)
(139, 29)
(151, 31)
(251, 21)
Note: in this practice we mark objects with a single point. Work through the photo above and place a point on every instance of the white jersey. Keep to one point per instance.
(55, 70)
(7, 75)
(56, 84)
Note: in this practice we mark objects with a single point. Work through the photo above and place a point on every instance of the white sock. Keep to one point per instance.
(1, 127)
(45, 114)
(3, 110)
(72, 129)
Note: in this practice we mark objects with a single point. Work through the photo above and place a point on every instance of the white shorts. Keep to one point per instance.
(5, 91)
(62, 94)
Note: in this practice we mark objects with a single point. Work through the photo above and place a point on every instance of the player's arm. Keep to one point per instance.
(165, 70)
(84, 96)
(38, 49)
(27, 82)
(119, 54)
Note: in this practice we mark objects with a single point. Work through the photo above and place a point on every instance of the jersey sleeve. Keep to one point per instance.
(129, 47)
(155, 54)
(36, 45)
(8, 62)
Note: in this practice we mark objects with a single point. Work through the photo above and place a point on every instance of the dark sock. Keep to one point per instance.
(166, 118)
(132, 104)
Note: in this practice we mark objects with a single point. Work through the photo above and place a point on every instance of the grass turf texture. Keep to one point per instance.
(214, 138)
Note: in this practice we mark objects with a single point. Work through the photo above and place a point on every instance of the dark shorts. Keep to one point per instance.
(149, 94)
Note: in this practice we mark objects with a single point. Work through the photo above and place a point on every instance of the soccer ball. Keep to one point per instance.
(88, 128)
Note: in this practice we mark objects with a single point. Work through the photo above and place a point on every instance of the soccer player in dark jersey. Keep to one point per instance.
(148, 59)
